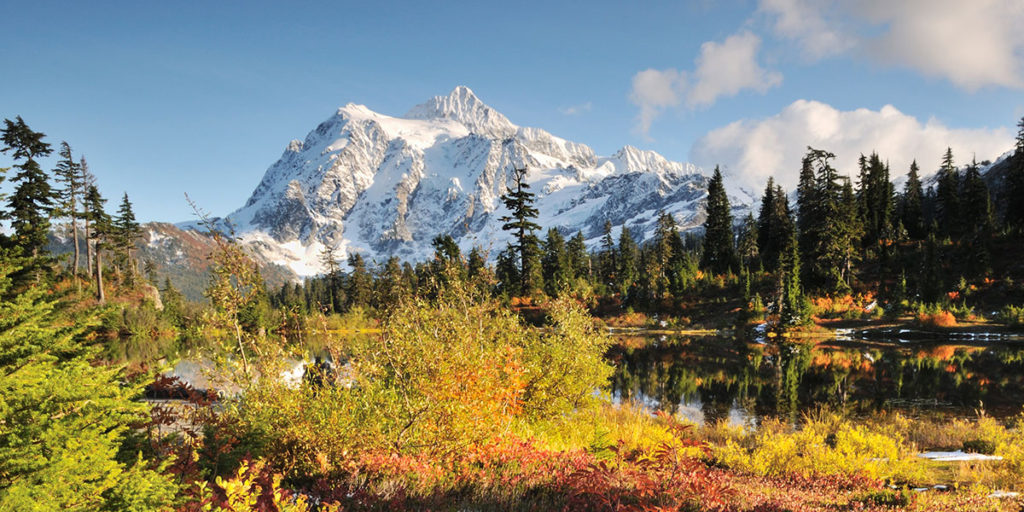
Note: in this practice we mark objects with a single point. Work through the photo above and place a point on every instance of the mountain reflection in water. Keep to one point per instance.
(709, 379)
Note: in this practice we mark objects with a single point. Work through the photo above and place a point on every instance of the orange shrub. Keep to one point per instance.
(940, 319)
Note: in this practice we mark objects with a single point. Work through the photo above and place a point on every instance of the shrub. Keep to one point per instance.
(1012, 316)
(936, 320)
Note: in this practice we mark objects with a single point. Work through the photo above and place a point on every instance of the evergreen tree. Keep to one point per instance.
(390, 287)
(126, 231)
(1015, 184)
(912, 212)
(774, 225)
(64, 420)
(32, 201)
(100, 234)
(824, 221)
(555, 263)
(791, 299)
(747, 246)
(332, 274)
(70, 179)
(519, 203)
(359, 285)
(87, 181)
(667, 252)
(609, 265)
(977, 218)
(447, 265)
(579, 260)
(876, 198)
(174, 303)
(629, 260)
(719, 250)
(947, 199)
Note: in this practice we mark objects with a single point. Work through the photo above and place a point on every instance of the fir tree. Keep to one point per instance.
(791, 299)
(1015, 184)
(64, 420)
(719, 250)
(87, 180)
(977, 217)
(359, 285)
(826, 235)
(126, 231)
(912, 212)
(70, 179)
(100, 234)
(947, 199)
(519, 203)
(607, 257)
(629, 262)
(332, 274)
(555, 264)
(774, 225)
(579, 260)
(747, 247)
(31, 203)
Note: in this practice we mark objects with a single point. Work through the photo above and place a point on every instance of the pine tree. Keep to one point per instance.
(359, 285)
(876, 202)
(977, 219)
(1015, 184)
(332, 274)
(555, 264)
(791, 310)
(70, 178)
(32, 201)
(519, 203)
(126, 231)
(87, 181)
(579, 260)
(747, 247)
(629, 262)
(174, 303)
(947, 200)
(774, 225)
(64, 420)
(100, 235)
(447, 265)
(825, 234)
(609, 265)
(912, 212)
(719, 250)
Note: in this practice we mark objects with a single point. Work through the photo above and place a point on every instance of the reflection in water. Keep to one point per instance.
(709, 379)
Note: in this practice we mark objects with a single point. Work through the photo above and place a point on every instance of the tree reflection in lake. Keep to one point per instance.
(708, 379)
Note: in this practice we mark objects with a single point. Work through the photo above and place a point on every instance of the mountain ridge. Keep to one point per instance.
(381, 185)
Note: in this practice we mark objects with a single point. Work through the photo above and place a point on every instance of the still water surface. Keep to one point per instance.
(709, 379)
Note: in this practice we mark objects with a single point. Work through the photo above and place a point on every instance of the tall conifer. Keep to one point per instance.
(719, 250)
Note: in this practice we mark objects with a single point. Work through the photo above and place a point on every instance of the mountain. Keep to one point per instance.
(385, 186)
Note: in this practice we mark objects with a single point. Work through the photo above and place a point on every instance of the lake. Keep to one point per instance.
(711, 378)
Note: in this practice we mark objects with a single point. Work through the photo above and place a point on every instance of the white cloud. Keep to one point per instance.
(721, 69)
(971, 43)
(754, 149)
(573, 110)
(811, 24)
(727, 68)
(653, 91)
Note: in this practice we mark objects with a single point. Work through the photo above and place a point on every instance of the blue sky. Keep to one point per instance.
(201, 97)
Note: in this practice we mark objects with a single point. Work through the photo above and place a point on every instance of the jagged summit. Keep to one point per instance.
(463, 106)
(362, 181)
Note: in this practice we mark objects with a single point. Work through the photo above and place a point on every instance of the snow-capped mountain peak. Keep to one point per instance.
(463, 106)
(367, 182)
